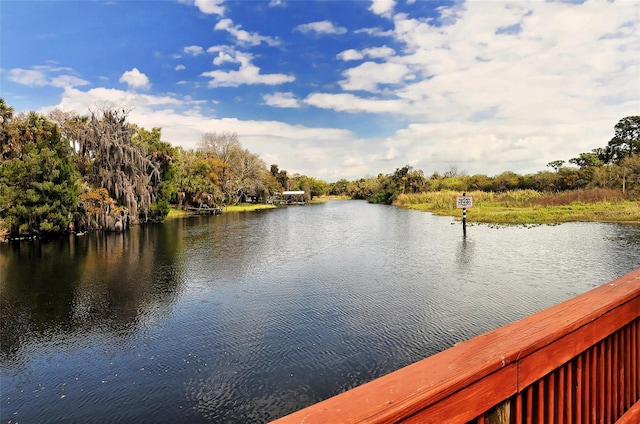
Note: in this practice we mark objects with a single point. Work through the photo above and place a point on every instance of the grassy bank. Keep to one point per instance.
(177, 213)
(530, 207)
(244, 207)
(326, 198)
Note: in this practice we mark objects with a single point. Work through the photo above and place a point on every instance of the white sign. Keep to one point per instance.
(464, 202)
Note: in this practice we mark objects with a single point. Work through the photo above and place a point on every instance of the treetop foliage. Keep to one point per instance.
(38, 180)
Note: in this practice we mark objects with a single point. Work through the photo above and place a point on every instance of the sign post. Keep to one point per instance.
(464, 202)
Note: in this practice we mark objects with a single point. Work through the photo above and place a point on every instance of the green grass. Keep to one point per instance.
(326, 198)
(243, 207)
(530, 207)
(177, 213)
(246, 207)
(331, 197)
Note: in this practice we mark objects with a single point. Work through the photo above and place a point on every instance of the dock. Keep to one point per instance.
(289, 198)
(206, 210)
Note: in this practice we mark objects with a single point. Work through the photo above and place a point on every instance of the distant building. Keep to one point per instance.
(293, 197)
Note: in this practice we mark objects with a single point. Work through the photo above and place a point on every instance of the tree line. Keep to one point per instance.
(70, 172)
(616, 165)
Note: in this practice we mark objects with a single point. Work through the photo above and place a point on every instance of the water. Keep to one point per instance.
(243, 318)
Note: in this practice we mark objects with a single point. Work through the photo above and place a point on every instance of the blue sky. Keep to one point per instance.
(340, 89)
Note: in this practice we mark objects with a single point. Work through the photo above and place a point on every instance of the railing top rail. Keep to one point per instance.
(411, 389)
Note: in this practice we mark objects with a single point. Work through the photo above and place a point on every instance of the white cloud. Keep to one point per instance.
(228, 54)
(210, 7)
(372, 52)
(537, 82)
(194, 50)
(545, 72)
(247, 74)
(284, 100)
(382, 7)
(180, 68)
(379, 52)
(351, 54)
(45, 75)
(482, 147)
(350, 103)
(390, 154)
(68, 81)
(135, 79)
(322, 27)
(244, 37)
(28, 77)
(374, 32)
(369, 75)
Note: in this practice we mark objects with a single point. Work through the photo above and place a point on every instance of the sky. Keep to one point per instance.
(339, 89)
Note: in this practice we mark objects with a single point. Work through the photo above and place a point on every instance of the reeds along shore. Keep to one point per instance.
(530, 206)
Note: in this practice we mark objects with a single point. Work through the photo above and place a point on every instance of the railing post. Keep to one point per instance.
(499, 414)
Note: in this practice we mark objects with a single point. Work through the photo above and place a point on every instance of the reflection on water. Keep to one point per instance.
(98, 282)
(247, 317)
(464, 256)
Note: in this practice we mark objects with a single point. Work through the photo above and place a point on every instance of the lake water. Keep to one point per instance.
(243, 318)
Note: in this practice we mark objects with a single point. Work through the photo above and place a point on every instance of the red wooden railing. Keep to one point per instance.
(576, 362)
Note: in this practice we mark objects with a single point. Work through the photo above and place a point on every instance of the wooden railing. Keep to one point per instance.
(576, 362)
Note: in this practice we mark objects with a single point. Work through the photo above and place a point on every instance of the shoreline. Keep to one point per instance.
(249, 207)
(616, 213)
(509, 209)
(530, 207)
(175, 213)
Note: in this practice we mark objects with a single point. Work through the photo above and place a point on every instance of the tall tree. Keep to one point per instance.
(311, 186)
(164, 156)
(249, 173)
(6, 141)
(585, 160)
(603, 154)
(626, 141)
(39, 184)
(629, 172)
(224, 147)
(556, 164)
(197, 183)
(239, 172)
(114, 162)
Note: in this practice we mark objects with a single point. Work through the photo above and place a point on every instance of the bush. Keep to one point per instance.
(160, 210)
(594, 195)
(384, 197)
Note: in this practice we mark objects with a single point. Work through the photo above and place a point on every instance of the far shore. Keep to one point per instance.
(248, 207)
(625, 213)
(520, 207)
(243, 207)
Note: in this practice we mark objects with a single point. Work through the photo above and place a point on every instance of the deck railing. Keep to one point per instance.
(576, 362)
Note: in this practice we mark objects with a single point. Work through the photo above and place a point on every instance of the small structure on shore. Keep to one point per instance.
(290, 198)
